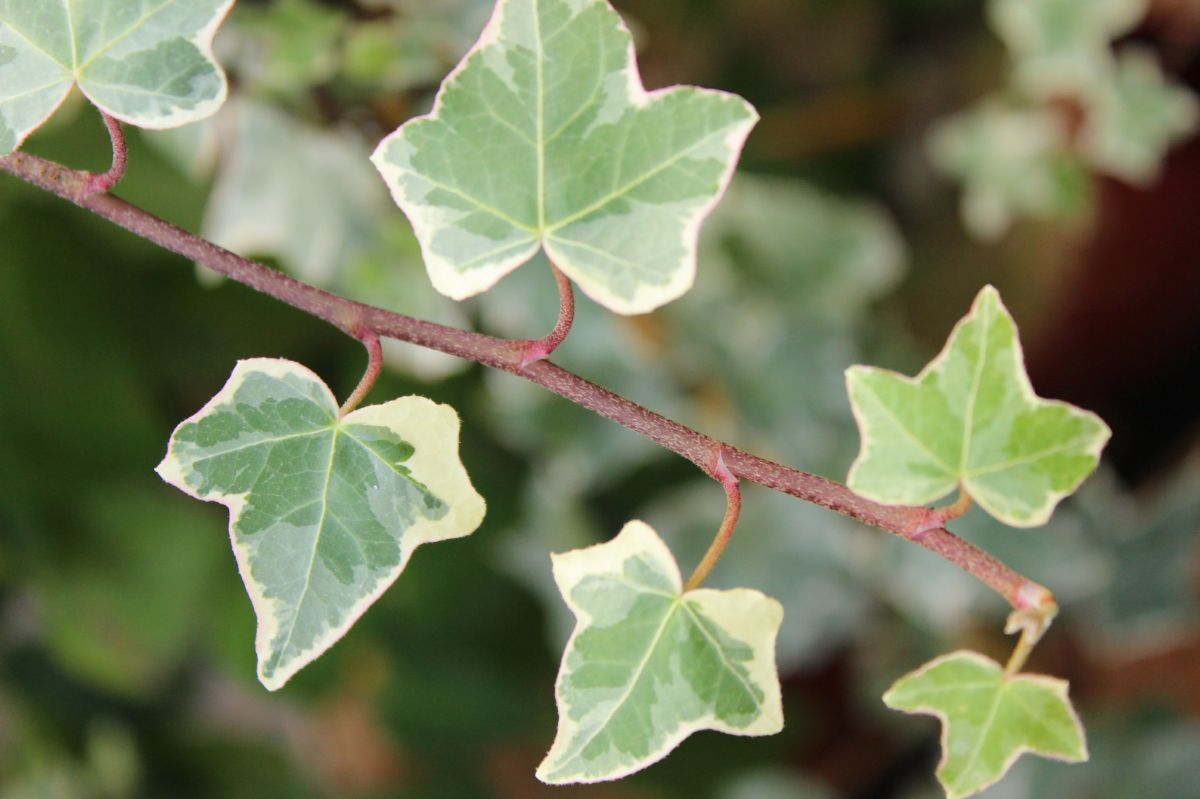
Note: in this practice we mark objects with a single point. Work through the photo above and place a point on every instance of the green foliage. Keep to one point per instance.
(780, 310)
(650, 663)
(145, 63)
(1134, 118)
(1062, 46)
(543, 138)
(324, 510)
(971, 420)
(1017, 153)
(989, 718)
(1013, 162)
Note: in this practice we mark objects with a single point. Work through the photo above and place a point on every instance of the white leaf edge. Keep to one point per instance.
(459, 286)
(757, 617)
(433, 431)
(1057, 686)
(1036, 516)
(202, 39)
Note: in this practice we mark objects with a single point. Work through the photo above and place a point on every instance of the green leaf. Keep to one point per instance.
(971, 420)
(146, 62)
(1013, 162)
(544, 138)
(1062, 46)
(1135, 117)
(649, 664)
(324, 512)
(989, 719)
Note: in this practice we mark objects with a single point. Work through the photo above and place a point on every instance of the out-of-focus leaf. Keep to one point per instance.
(1013, 162)
(305, 196)
(818, 254)
(286, 47)
(650, 663)
(1135, 117)
(310, 198)
(773, 784)
(544, 139)
(1062, 46)
(415, 45)
(325, 510)
(971, 421)
(123, 617)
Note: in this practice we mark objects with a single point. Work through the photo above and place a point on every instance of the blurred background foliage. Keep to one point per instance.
(910, 151)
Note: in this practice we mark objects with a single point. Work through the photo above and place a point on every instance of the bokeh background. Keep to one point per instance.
(910, 151)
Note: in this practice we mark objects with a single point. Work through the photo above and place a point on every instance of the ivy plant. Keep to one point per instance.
(543, 140)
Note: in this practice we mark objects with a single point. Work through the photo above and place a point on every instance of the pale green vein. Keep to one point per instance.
(1022, 460)
(540, 70)
(261, 442)
(973, 396)
(482, 206)
(910, 435)
(316, 545)
(635, 183)
(635, 679)
(123, 36)
(985, 732)
(71, 30)
(12, 97)
(729, 667)
(32, 43)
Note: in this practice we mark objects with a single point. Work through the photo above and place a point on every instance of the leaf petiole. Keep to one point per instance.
(1032, 623)
(541, 349)
(733, 509)
(370, 340)
(102, 182)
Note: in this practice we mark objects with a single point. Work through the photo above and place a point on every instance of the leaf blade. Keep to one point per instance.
(989, 719)
(641, 643)
(146, 63)
(971, 419)
(544, 138)
(324, 513)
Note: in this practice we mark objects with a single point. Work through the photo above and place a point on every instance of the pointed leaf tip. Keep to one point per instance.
(971, 419)
(649, 664)
(988, 719)
(543, 137)
(324, 513)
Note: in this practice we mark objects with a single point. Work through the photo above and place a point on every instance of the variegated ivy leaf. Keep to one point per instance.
(324, 511)
(649, 664)
(989, 719)
(971, 420)
(1134, 118)
(544, 138)
(1013, 162)
(1062, 46)
(147, 62)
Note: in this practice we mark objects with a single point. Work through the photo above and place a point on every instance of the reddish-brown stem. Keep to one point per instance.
(507, 355)
(541, 349)
(370, 340)
(733, 509)
(101, 182)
